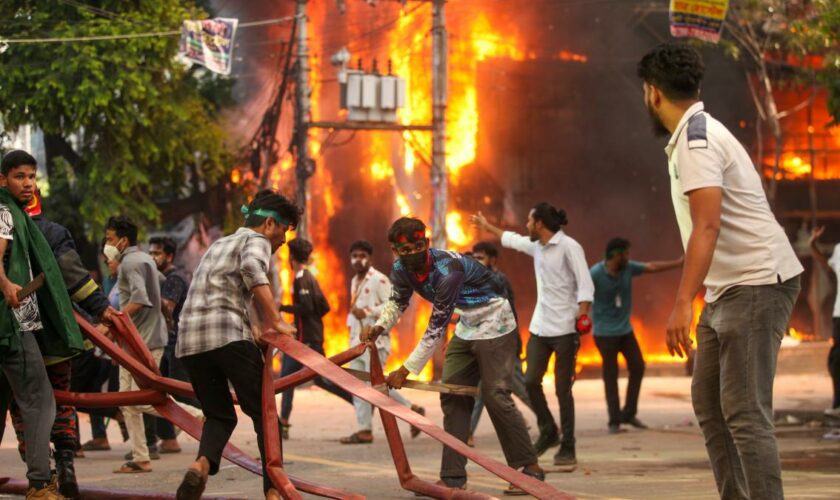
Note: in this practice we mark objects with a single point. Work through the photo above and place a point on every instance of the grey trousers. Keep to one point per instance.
(738, 338)
(490, 362)
(27, 376)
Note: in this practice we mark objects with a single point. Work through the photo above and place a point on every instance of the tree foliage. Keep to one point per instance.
(125, 122)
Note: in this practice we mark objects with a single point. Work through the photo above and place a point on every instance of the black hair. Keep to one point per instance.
(552, 218)
(486, 248)
(676, 69)
(362, 245)
(410, 228)
(270, 199)
(123, 227)
(300, 250)
(168, 244)
(616, 245)
(15, 159)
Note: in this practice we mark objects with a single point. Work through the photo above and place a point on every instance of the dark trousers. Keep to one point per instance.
(738, 339)
(609, 347)
(540, 349)
(171, 367)
(240, 364)
(290, 366)
(834, 363)
(89, 373)
(490, 364)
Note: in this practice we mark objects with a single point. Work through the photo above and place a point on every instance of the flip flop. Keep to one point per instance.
(192, 486)
(131, 468)
(355, 439)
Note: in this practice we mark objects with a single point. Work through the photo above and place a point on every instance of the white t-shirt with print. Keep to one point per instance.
(27, 315)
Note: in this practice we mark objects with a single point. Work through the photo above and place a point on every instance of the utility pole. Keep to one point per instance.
(440, 187)
(305, 166)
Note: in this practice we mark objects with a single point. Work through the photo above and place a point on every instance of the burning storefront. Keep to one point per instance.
(538, 109)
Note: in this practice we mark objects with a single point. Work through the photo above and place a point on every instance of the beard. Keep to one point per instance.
(534, 236)
(659, 129)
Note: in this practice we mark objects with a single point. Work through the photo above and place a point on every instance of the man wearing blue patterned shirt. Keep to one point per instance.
(483, 348)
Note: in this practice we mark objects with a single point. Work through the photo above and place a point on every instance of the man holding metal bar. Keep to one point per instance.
(483, 348)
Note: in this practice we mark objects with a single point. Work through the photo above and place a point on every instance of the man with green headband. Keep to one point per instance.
(33, 327)
(611, 308)
(215, 340)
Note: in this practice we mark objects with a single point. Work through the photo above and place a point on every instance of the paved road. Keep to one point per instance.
(668, 461)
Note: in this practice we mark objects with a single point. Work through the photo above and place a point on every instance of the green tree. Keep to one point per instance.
(125, 122)
(762, 34)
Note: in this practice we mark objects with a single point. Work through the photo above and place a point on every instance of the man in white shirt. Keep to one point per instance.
(831, 264)
(369, 292)
(564, 298)
(736, 249)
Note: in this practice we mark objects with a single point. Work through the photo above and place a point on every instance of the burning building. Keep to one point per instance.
(543, 105)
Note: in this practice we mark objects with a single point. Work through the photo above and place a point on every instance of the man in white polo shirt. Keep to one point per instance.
(564, 298)
(737, 250)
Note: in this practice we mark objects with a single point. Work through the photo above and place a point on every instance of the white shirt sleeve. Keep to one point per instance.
(518, 242)
(699, 167)
(583, 278)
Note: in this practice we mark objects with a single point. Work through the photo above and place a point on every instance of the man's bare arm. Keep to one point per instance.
(264, 300)
(704, 205)
(657, 266)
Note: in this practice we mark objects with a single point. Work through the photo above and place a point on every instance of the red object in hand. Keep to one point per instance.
(584, 324)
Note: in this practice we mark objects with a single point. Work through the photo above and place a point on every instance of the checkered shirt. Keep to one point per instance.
(216, 310)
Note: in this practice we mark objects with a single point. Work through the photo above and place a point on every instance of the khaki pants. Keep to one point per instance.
(134, 414)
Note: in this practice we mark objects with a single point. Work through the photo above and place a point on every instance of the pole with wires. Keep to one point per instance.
(305, 165)
(440, 188)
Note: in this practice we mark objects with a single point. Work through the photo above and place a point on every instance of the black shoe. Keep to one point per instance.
(68, 485)
(565, 456)
(547, 440)
(614, 429)
(635, 422)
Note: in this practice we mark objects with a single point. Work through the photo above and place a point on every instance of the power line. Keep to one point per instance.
(151, 34)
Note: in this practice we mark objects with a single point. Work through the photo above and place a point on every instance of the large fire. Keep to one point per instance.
(398, 38)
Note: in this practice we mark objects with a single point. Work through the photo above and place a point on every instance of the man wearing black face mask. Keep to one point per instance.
(613, 334)
(483, 348)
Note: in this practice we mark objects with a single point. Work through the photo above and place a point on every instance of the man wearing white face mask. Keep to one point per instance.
(370, 290)
(138, 281)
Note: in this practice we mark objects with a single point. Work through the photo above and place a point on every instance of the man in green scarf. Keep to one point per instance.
(33, 327)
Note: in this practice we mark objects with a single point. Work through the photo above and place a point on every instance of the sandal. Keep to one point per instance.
(420, 411)
(131, 468)
(94, 446)
(356, 438)
(284, 431)
(192, 486)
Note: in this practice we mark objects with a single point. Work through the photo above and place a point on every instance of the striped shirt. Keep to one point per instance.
(216, 310)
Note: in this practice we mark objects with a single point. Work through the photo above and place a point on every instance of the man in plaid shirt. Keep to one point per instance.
(215, 340)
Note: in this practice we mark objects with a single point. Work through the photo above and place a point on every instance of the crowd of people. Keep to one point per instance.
(207, 330)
